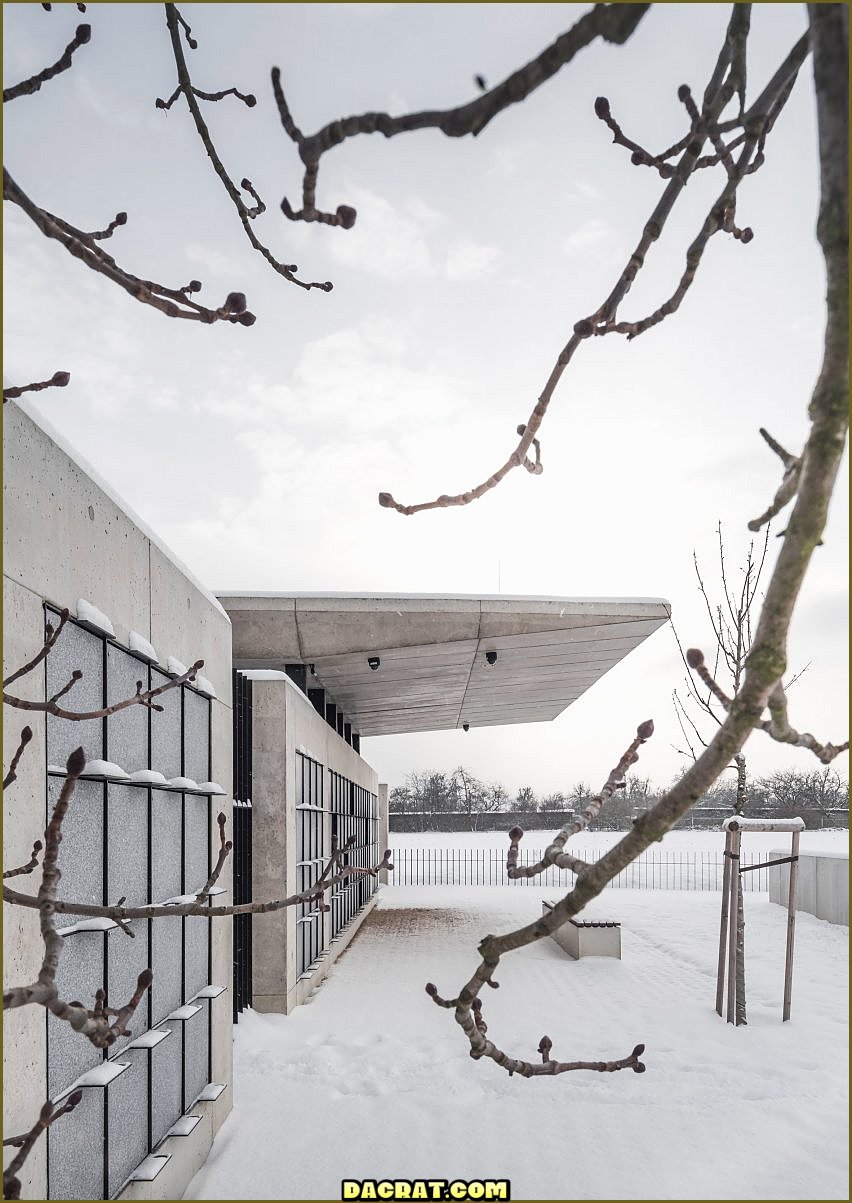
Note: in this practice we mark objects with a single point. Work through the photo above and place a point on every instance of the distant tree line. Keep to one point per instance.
(820, 797)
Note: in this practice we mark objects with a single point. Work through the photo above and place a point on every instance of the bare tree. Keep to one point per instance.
(736, 146)
(762, 685)
(731, 623)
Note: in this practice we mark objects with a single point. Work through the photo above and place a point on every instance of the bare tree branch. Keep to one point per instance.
(140, 698)
(48, 1115)
(604, 319)
(777, 726)
(613, 22)
(170, 301)
(27, 87)
(26, 736)
(57, 380)
(767, 660)
(288, 270)
(789, 482)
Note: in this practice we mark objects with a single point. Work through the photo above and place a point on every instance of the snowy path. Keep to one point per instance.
(371, 1080)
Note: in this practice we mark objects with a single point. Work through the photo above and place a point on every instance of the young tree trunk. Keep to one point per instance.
(739, 993)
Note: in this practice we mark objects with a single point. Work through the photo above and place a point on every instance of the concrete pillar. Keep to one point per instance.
(273, 841)
(383, 826)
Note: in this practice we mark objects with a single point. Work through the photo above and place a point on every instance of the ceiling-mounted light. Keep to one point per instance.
(373, 662)
(491, 657)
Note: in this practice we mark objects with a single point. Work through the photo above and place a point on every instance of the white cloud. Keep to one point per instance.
(218, 263)
(591, 233)
(470, 261)
(384, 241)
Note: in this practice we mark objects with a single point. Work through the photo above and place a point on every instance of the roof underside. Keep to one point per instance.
(433, 673)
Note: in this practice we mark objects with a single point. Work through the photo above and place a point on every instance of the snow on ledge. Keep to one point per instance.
(139, 644)
(206, 687)
(210, 787)
(104, 768)
(173, 665)
(144, 776)
(182, 783)
(94, 617)
(743, 823)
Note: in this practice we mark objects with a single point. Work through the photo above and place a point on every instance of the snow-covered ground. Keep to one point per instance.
(371, 1080)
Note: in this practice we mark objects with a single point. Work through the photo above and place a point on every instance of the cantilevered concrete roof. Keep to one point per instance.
(433, 673)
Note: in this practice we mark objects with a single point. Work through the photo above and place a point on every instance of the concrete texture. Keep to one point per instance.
(67, 536)
(283, 723)
(433, 673)
(823, 884)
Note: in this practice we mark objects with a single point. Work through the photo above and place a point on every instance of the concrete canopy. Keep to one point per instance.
(433, 673)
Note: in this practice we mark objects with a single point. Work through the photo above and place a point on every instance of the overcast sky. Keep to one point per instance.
(258, 453)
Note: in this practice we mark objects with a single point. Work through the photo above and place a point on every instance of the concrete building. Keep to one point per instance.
(290, 685)
(144, 831)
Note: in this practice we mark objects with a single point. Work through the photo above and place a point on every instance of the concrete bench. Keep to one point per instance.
(587, 937)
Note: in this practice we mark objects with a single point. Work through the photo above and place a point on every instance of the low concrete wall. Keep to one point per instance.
(823, 884)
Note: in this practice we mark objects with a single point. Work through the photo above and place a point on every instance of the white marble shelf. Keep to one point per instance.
(99, 1077)
(148, 1040)
(210, 1092)
(208, 992)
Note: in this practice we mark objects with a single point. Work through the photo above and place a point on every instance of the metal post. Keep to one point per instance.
(723, 926)
(732, 924)
(791, 924)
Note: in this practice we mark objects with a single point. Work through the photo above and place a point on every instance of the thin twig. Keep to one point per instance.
(57, 380)
(27, 87)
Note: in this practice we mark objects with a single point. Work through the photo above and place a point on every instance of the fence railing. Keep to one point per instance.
(656, 870)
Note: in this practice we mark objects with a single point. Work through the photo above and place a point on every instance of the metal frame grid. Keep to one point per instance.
(353, 811)
(114, 654)
(311, 837)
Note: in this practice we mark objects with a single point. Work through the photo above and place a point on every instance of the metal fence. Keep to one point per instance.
(656, 870)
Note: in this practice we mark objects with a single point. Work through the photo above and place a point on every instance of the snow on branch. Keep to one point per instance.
(754, 124)
(175, 21)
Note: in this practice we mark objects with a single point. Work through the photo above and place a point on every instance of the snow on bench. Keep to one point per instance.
(587, 937)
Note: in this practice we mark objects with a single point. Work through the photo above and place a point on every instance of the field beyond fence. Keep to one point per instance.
(655, 870)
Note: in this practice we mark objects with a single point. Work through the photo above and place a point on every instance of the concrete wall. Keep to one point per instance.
(67, 536)
(823, 884)
(283, 723)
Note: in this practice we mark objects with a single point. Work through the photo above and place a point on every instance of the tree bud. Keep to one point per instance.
(645, 730)
(60, 379)
(235, 302)
(346, 216)
(694, 657)
(83, 34)
(602, 107)
(517, 833)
